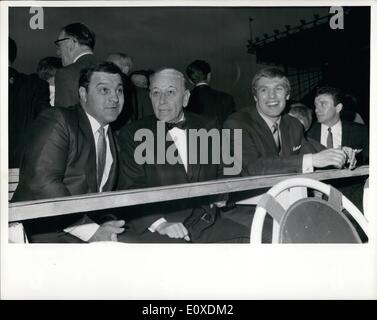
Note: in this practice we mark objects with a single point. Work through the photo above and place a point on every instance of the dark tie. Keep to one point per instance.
(101, 155)
(275, 133)
(180, 125)
(330, 143)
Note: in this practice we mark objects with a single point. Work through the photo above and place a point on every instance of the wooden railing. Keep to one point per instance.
(19, 211)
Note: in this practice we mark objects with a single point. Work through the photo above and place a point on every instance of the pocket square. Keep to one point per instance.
(296, 148)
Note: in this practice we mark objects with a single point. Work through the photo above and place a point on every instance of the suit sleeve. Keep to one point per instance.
(44, 162)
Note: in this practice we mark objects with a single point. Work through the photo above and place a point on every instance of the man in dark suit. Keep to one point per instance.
(75, 45)
(182, 220)
(28, 96)
(274, 142)
(331, 131)
(204, 99)
(66, 148)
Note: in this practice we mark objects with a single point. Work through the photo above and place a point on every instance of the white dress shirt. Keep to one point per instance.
(179, 137)
(86, 228)
(336, 131)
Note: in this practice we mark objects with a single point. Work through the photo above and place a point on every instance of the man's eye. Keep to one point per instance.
(280, 88)
(104, 90)
(120, 91)
(155, 93)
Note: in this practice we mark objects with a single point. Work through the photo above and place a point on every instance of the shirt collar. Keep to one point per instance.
(335, 126)
(82, 54)
(95, 125)
(269, 122)
(201, 83)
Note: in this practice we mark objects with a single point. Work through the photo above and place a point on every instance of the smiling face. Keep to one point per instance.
(270, 96)
(104, 98)
(327, 112)
(168, 95)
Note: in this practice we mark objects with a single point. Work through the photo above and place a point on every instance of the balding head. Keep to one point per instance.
(122, 60)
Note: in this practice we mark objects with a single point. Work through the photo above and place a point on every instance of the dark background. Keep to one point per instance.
(175, 36)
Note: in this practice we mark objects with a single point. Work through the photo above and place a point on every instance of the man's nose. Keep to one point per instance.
(114, 96)
(272, 93)
(162, 98)
(58, 53)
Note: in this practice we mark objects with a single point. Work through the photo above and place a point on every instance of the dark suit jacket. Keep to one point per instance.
(354, 135)
(60, 160)
(211, 103)
(67, 81)
(133, 175)
(259, 152)
(28, 96)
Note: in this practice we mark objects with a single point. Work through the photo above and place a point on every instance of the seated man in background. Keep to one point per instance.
(331, 131)
(125, 64)
(183, 220)
(47, 68)
(302, 113)
(274, 142)
(71, 151)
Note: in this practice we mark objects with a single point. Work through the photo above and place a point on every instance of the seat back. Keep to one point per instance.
(309, 220)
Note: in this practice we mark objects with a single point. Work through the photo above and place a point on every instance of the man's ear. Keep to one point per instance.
(339, 107)
(209, 77)
(83, 94)
(186, 98)
(288, 96)
(255, 98)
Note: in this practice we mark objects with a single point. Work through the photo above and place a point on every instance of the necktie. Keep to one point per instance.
(101, 155)
(179, 125)
(275, 133)
(329, 143)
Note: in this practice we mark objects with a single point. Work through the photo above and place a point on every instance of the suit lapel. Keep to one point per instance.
(265, 131)
(86, 130)
(193, 170)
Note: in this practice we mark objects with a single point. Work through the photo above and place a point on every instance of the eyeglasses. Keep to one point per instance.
(59, 40)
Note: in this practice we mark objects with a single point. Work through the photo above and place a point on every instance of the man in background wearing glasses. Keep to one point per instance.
(75, 45)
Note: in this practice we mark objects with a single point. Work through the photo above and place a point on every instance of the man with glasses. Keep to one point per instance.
(75, 45)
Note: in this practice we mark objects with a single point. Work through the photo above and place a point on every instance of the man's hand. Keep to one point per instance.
(174, 230)
(351, 156)
(108, 231)
(329, 157)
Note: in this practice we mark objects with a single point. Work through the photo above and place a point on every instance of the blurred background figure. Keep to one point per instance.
(204, 99)
(129, 111)
(140, 78)
(302, 113)
(28, 96)
(46, 70)
(350, 108)
(122, 60)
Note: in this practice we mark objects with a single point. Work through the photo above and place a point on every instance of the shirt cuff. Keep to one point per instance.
(83, 231)
(155, 224)
(307, 163)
